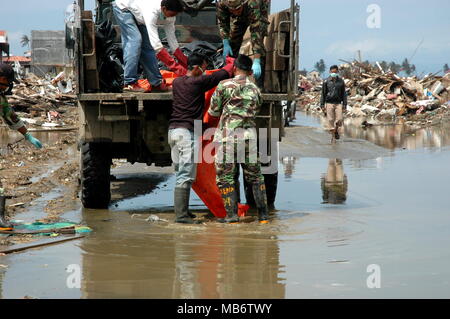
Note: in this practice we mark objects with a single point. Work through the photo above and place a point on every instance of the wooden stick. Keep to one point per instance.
(40, 244)
(58, 129)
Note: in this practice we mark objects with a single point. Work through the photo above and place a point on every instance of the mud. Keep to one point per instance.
(378, 197)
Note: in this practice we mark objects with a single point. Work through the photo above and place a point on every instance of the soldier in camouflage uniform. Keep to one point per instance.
(13, 121)
(234, 18)
(237, 102)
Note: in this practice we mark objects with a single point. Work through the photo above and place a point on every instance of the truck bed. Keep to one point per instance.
(157, 97)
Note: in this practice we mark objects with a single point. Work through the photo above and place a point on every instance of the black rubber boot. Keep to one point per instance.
(3, 222)
(230, 201)
(181, 201)
(259, 193)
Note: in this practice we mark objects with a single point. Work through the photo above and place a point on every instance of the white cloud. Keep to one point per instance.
(381, 47)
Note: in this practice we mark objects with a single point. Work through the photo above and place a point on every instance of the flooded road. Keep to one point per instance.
(379, 197)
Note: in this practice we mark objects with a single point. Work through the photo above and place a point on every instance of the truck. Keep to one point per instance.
(134, 126)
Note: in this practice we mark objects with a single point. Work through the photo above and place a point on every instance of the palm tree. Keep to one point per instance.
(25, 41)
(320, 66)
(446, 68)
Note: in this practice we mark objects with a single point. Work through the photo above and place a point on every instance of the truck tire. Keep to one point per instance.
(271, 181)
(95, 175)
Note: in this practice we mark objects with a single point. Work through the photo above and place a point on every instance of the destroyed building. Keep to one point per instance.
(49, 54)
(382, 94)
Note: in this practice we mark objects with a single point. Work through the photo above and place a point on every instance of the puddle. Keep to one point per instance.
(8, 136)
(336, 217)
(36, 211)
(392, 136)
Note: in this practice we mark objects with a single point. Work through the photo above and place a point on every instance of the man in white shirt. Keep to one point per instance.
(139, 20)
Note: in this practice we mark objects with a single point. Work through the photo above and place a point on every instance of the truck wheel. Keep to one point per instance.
(95, 175)
(271, 181)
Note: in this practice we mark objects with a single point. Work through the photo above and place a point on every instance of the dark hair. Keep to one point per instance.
(334, 67)
(172, 5)
(196, 59)
(7, 71)
(243, 63)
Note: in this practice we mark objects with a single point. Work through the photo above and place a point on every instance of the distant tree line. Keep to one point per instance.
(446, 68)
(405, 66)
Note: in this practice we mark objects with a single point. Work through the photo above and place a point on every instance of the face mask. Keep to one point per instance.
(334, 75)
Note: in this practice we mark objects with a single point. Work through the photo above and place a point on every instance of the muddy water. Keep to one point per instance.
(8, 136)
(385, 204)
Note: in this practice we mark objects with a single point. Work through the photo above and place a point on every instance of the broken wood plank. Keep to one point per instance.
(19, 248)
(67, 230)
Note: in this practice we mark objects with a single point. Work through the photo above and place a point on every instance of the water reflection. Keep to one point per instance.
(400, 135)
(124, 259)
(289, 164)
(8, 136)
(334, 183)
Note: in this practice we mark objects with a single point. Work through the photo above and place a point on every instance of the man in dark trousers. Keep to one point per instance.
(334, 102)
(188, 106)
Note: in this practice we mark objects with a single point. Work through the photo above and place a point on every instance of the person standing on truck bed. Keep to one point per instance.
(13, 121)
(237, 102)
(234, 18)
(138, 21)
(187, 107)
(334, 102)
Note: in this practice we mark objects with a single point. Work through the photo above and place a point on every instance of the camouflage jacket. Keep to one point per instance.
(256, 15)
(9, 116)
(236, 101)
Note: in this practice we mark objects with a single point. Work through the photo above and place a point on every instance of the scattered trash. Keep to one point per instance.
(151, 218)
(155, 219)
(16, 205)
(46, 229)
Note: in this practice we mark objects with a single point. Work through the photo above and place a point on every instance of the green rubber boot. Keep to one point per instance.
(230, 201)
(181, 201)
(259, 193)
(3, 222)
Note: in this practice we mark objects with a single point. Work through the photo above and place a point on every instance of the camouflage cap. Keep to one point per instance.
(234, 4)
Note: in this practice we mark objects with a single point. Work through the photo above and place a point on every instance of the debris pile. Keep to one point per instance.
(41, 102)
(374, 92)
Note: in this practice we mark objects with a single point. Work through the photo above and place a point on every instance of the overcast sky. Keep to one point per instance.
(330, 29)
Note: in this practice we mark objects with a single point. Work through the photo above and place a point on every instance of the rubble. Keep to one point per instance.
(42, 102)
(384, 95)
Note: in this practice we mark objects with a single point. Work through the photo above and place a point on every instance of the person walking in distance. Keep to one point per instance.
(334, 102)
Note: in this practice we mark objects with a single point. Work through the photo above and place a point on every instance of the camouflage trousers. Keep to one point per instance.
(238, 27)
(228, 158)
(240, 24)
